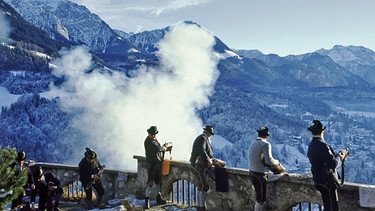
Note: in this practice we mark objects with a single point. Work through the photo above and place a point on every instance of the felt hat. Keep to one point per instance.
(263, 131)
(90, 154)
(21, 156)
(153, 130)
(209, 128)
(316, 126)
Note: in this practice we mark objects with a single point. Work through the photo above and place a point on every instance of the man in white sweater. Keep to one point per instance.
(260, 163)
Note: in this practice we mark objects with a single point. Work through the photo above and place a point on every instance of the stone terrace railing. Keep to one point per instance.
(117, 183)
(283, 193)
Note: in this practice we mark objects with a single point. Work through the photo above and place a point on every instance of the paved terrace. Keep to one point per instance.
(232, 191)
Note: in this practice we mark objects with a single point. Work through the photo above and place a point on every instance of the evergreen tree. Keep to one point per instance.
(11, 183)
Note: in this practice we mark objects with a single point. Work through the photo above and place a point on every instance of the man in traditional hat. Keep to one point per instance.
(201, 161)
(47, 186)
(323, 164)
(260, 162)
(89, 168)
(21, 165)
(154, 157)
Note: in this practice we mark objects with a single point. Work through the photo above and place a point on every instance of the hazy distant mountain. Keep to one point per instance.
(346, 55)
(357, 59)
(351, 66)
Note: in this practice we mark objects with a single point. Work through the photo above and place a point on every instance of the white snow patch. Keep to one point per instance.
(219, 142)
(293, 156)
(227, 54)
(53, 93)
(6, 99)
(279, 106)
(42, 55)
(132, 50)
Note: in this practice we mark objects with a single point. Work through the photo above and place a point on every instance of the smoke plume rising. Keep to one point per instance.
(116, 111)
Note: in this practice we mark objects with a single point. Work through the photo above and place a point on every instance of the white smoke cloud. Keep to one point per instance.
(4, 26)
(117, 111)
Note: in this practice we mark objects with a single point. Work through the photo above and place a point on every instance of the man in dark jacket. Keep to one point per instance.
(48, 187)
(323, 166)
(89, 168)
(21, 164)
(201, 160)
(154, 158)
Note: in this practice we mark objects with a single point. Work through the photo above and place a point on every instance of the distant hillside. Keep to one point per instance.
(29, 36)
(24, 58)
(350, 66)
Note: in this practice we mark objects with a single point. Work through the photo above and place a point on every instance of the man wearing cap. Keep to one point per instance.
(260, 161)
(323, 164)
(89, 168)
(201, 160)
(154, 157)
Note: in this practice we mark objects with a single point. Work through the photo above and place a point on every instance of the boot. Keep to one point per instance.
(201, 201)
(147, 203)
(258, 206)
(98, 200)
(160, 200)
(57, 201)
(89, 205)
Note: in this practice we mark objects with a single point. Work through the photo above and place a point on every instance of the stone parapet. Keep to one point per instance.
(283, 191)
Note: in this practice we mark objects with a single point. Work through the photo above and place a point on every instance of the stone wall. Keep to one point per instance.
(283, 192)
(117, 183)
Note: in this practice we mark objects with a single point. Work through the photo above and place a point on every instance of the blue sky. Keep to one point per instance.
(271, 26)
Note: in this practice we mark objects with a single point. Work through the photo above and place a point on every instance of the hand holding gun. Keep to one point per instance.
(95, 178)
(343, 154)
(168, 146)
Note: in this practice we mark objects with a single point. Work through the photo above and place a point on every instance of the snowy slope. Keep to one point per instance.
(6, 99)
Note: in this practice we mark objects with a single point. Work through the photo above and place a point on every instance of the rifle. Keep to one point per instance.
(344, 153)
(92, 181)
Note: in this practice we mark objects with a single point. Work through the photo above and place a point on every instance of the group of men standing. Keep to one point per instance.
(201, 160)
(322, 158)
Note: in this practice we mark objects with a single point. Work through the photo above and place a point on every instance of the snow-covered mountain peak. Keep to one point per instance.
(344, 54)
(51, 5)
(65, 20)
